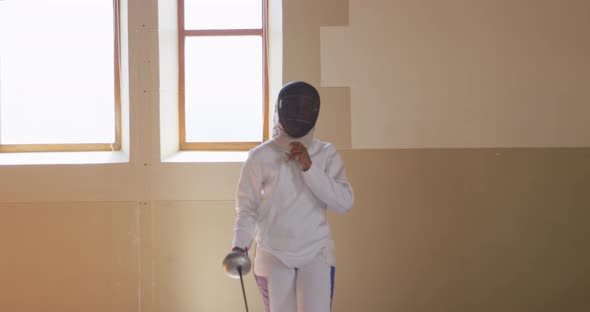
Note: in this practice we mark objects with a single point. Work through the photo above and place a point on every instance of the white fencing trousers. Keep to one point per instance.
(285, 289)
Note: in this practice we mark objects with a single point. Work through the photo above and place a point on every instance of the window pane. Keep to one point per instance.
(222, 14)
(56, 72)
(223, 89)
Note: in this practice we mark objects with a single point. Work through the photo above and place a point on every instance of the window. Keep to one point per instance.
(223, 77)
(59, 75)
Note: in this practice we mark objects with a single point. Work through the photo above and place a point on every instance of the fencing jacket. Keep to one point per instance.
(283, 207)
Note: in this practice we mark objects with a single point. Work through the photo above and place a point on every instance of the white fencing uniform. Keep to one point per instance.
(284, 208)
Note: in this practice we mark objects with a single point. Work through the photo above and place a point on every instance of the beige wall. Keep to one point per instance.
(431, 230)
(465, 230)
(463, 73)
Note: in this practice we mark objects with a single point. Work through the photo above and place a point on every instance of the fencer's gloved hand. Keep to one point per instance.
(238, 249)
(237, 263)
(299, 153)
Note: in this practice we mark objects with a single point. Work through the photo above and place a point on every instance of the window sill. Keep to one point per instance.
(205, 157)
(62, 158)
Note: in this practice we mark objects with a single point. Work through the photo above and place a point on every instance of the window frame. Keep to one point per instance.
(182, 35)
(88, 147)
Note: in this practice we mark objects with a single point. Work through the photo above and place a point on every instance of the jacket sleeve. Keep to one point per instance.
(330, 184)
(247, 201)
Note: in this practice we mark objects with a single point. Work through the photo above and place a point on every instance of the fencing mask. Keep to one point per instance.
(298, 107)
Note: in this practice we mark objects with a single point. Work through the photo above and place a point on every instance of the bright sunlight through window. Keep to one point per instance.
(230, 92)
(57, 72)
(223, 76)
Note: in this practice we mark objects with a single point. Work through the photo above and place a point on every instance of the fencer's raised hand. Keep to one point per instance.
(299, 153)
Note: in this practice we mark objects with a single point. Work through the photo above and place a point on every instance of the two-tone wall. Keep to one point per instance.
(464, 126)
(467, 147)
